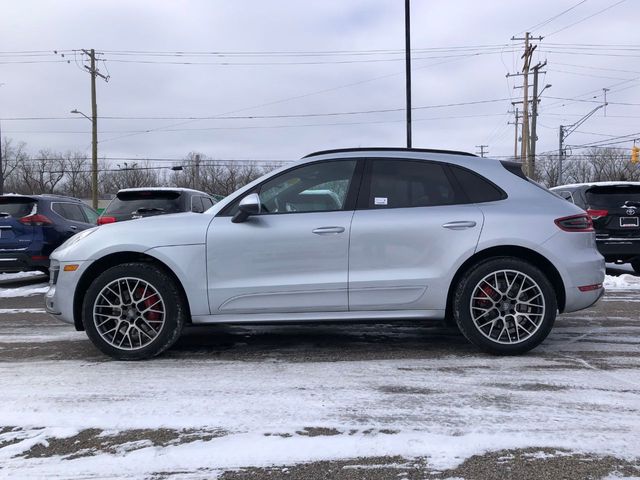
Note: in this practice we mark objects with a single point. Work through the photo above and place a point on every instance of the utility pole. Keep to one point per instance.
(482, 150)
(94, 124)
(526, 57)
(534, 118)
(196, 179)
(407, 54)
(515, 141)
(565, 131)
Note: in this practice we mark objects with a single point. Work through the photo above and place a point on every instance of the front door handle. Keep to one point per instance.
(459, 225)
(328, 230)
(73, 227)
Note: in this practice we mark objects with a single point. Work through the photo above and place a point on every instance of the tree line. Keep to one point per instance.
(69, 173)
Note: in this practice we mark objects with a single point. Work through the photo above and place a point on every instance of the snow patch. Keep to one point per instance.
(25, 291)
(622, 282)
(19, 275)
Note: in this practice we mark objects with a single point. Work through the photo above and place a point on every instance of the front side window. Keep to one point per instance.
(407, 183)
(319, 187)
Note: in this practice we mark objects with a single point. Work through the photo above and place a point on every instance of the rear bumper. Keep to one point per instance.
(21, 261)
(619, 248)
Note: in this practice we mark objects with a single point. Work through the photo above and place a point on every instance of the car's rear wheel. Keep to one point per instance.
(133, 311)
(635, 264)
(505, 305)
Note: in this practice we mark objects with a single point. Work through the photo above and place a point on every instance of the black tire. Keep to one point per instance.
(173, 303)
(635, 264)
(462, 309)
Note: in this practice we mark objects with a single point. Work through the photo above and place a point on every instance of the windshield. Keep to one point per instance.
(145, 201)
(615, 196)
(15, 207)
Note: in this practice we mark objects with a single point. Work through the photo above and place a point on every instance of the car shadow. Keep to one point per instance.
(322, 342)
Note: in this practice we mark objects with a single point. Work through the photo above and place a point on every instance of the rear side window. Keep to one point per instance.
(15, 207)
(408, 183)
(476, 187)
(614, 196)
(70, 211)
(196, 204)
(145, 201)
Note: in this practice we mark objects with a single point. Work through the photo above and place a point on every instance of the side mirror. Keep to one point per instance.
(249, 205)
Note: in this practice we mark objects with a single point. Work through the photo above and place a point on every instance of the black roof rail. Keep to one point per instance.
(388, 149)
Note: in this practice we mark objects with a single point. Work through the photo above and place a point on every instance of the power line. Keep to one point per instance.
(585, 18)
(551, 19)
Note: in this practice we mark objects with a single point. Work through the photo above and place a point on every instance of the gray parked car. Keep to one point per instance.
(345, 235)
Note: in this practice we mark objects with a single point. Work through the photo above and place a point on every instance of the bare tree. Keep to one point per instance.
(43, 173)
(13, 155)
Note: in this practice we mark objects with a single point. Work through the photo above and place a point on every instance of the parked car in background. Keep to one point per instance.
(33, 226)
(615, 210)
(132, 203)
(343, 235)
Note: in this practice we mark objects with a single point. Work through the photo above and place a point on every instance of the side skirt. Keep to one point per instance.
(319, 316)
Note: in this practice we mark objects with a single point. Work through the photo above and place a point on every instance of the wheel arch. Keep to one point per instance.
(515, 251)
(111, 260)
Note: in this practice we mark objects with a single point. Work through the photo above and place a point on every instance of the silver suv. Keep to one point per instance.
(357, 234)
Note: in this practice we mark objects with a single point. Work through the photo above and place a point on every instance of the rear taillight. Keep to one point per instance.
(596, 214)
(575, 223)
(105, 220)
(36, 220)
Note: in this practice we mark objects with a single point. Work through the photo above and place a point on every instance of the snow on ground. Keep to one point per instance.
(446, 408)
(25, 291)
(622, 282)
(19, 275)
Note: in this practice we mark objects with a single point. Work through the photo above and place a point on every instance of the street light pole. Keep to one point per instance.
(407, 53)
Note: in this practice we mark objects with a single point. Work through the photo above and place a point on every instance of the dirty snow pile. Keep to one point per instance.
(25, 291)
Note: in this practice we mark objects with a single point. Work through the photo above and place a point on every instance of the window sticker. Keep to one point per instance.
(380, 200)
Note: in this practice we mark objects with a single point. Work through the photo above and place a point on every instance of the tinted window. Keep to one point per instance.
(145, 201)
(207, 203)
(477, 188)
(92, 216)
(404, 183)
(16, 208)
(318, 187)
(614, 196)
(566, 194)
(70, 211)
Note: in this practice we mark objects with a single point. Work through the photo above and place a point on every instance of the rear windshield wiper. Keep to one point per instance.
(148, 209)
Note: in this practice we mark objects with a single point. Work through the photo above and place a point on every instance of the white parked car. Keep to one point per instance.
(356, 234)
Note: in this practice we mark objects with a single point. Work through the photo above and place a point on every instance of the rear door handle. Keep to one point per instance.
(459, 225)
(328, 230)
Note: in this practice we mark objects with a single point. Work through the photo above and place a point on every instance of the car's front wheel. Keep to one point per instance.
(505, 305)
(133, 311)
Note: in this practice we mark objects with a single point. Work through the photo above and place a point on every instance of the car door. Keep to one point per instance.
(293, 256)
(410, 230)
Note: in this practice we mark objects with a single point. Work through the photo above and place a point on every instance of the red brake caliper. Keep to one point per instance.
(489, 292)
(148, 302)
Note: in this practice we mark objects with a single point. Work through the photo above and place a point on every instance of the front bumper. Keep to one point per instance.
(58, 301)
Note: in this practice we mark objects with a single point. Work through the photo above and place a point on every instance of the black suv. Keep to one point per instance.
(33, 226)
(132, 203)
(615, 210)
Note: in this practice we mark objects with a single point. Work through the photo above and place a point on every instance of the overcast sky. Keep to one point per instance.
(354, 80)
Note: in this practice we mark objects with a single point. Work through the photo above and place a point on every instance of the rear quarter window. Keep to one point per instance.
(476, 187)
